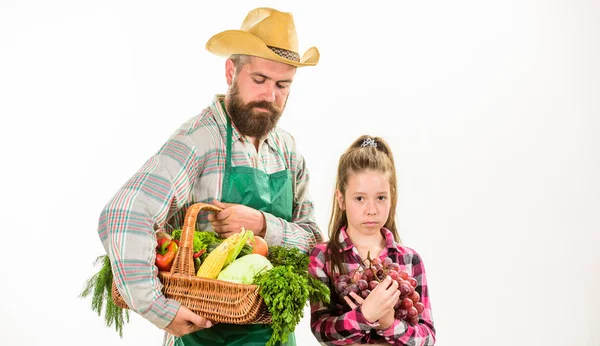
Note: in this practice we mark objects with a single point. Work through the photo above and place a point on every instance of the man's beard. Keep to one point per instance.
(247, 120)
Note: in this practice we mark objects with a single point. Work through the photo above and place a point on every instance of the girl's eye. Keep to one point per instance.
(360, 199)
(382, 198)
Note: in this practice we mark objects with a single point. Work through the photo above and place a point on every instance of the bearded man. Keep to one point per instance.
(232, 155)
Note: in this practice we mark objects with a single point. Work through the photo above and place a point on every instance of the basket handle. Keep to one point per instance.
(184, 260)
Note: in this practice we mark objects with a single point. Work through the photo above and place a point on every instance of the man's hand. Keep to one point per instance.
(186, 322)
(235, 216)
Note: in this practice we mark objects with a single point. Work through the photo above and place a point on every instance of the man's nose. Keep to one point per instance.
(269, 94)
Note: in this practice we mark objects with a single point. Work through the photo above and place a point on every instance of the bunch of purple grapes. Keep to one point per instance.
(363, 280)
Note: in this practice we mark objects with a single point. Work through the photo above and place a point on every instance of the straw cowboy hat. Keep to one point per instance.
(265, 33)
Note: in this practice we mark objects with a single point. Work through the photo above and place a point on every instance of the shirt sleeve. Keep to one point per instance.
(302, 232)
(348, 328)
(401, 333)
(128, 222)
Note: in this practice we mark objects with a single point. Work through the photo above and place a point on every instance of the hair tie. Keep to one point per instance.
(368, 142)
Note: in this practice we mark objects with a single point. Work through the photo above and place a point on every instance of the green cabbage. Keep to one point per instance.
(243, 269)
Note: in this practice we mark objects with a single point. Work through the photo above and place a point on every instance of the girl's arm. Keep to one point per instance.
(347, 328)
(401, 333)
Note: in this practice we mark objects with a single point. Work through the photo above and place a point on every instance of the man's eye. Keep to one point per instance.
(258, 81)
(283, 85)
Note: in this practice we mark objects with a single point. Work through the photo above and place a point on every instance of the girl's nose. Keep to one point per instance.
(371, 210)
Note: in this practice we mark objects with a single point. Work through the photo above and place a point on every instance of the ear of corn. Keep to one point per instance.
(245, 235)
(218, 258)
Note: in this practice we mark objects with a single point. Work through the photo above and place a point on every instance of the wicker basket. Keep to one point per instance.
(216, 300)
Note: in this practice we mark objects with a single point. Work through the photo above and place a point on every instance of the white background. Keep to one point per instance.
(492, 110)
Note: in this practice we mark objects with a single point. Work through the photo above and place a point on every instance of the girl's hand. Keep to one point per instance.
(386, 320)
(379, 302)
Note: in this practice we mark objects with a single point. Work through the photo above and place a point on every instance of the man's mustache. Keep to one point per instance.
(263, 104)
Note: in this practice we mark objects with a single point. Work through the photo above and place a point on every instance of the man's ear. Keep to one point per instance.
(340, 199)
(229, 71)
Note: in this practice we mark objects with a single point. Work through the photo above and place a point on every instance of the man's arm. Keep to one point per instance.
(128, 222)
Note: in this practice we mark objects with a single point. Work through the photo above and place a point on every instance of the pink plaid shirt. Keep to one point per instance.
(334, 325)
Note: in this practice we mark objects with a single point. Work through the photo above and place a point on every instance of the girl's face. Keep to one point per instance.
(366, 201)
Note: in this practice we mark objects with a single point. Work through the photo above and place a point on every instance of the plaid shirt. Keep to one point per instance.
(334, 325)
(187, 169)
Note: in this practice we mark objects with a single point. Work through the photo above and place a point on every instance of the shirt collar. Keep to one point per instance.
(346, 243)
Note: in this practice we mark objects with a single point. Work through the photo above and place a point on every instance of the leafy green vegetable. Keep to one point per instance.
(100, 285)
(201, 239)
(285, 292)
(317, 290)
(287, 288)
(288, 256)
(291, 256)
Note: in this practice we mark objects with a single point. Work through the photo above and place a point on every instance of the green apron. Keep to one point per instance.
(271, 193)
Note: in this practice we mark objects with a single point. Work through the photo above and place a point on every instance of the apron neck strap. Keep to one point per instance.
(228, 139)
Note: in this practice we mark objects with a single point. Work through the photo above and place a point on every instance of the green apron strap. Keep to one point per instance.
(227, 156)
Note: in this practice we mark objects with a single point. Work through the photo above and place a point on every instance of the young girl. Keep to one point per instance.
(362, 226)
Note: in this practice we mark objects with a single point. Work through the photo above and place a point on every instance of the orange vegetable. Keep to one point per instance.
(260, 246)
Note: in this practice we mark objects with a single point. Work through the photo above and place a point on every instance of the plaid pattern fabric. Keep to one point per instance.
(332, 325)
(188, 169)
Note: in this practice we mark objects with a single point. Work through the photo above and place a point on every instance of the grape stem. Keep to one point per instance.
(370, 265)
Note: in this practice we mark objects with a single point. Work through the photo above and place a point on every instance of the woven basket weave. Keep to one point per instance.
(216, 300)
